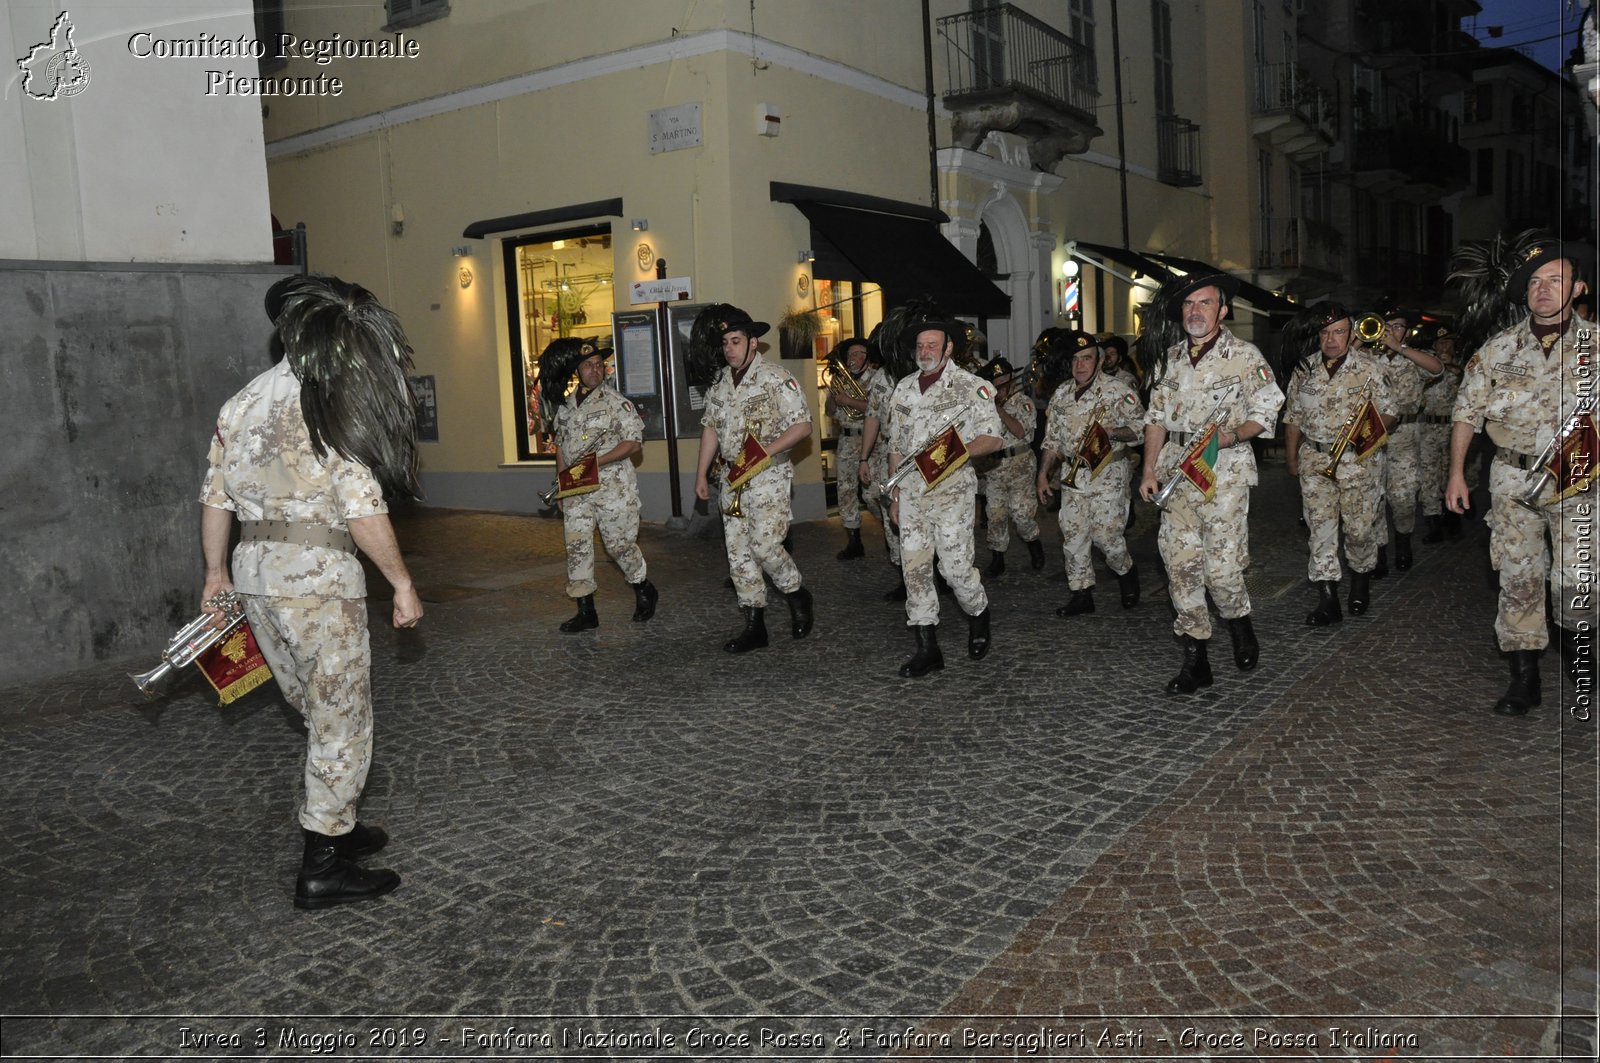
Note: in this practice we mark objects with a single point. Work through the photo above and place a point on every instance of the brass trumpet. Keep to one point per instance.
(1529, 499)
(1369, 329)
(193, 639)
(1071, 478)
(1342, 441)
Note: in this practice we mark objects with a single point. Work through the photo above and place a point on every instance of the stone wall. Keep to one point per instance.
(114, 374)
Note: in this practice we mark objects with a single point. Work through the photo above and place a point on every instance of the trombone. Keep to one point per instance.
(1529, 499)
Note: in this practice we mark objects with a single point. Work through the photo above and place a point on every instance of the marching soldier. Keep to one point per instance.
(1433, 420)
(1088, 425)
(1116, 361)
(942, 416)
(874, 469)
(754, 414)
(1008, 474)
(1532, 389)
(849, 414)
(597, 433)
(1332, 445)
(1210, 396)
(1406, 370)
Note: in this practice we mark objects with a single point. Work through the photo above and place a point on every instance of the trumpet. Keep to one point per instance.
(910, 461)
(1071, 478)
(1342, 441)
(1369, 329)
(734, 509)
(549, 497)
(1529, 499)
(193, 639)
(1163, 495)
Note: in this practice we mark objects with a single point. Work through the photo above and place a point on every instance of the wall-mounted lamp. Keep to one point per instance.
(1069, 268)
(808, 255)
(641, 225)
(462, 250)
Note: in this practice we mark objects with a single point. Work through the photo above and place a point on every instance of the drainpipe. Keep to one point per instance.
(927, 70)
(1122, 152)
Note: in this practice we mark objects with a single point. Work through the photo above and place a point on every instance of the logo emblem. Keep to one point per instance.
(55, 68)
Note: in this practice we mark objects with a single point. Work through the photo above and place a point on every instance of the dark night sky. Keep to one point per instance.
(1548, 29)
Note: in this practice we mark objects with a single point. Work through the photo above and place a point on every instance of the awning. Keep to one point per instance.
(1131, 260)
(1257, 296)
(904, 253)
(600, 208)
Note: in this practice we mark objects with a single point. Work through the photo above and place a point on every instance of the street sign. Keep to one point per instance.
(665, 290)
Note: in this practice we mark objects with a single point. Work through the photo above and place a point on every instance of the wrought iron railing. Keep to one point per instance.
(1284, 87)
(1002, 48)
(1177, 150)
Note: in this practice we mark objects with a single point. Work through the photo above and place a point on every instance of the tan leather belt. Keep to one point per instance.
(288, 531)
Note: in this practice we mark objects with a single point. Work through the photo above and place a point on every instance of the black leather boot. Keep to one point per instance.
(1452, 525)
(1402, 551)
(1245, 648)
(584, 619)
(1360, 592)
(927, 658)
(1035, 554)
(362, 842)
(800, 618)
(645, 597)
(1523, 693)
(1577, 653)
(852, 545)
(1327, 610)
(1382, 568)
(1435, 532)
(754, 635)
(897, 593)
(1080, 602)
(978, 635)
(327, 877)
(1128, 584)
(1195, 672)
(997, 565)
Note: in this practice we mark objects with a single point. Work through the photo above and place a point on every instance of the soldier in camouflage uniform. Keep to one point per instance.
(1325, 393)
(849, 415)
(756, 397)
(1433, 421)
(1406, 370)
(595, 419)
(1007, 476)
(936, 522)
(1206, 544)
(874, 468)
(304, 508)
(1520, 388)
(1094, 509)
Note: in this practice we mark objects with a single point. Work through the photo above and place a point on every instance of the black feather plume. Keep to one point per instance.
(351, 357)
(703, 358)
(1052, 353)
(1157, 332)
(556, 366)
(1300, 339)
(900, 356)
(1479, 271)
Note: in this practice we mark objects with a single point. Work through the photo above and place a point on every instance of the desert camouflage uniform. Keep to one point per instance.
(766, 403)
(1403, 462)
(1320, 405)
(1095, 512)
(937, 523)
(879, 394)
(847, 424)
(1009, 477)
(1206, 545)
(1438, 399)
(306, 604)
(599, 423)
(1520, 396)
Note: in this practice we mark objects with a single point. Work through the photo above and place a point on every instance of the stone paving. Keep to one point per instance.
(629, 844)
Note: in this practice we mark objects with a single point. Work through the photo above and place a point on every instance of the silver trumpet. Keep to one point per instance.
(1178, 477)
(909, 463)
(193, 639)
(1529, 499)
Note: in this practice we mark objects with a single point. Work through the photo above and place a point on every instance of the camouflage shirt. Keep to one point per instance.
(920, 415)
(1517, 394)
(1231, 373)
(1320, 405)
(599, 423)
(262, 467)
(766, 403)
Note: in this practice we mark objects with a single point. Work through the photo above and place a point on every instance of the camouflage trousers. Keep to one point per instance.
(1095, 515)
(319, 653)
(1011, 496)
(1521, 542)
(1353, 502)
(1402, 477)
(1433, 446)
(878, 503)
(1206, 547)
(847, 463)
(939, 527)
(755, 541)
(615, 511)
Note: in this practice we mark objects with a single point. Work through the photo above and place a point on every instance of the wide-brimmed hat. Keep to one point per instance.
(1110, 341)
(1425, 334)
(996, 370)
(1533, 258)
(1326, 313)
(726, 318)
(954, 331)
(1227, 285)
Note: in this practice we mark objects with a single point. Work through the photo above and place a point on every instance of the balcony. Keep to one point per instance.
(1292, 114)
(1177, 151)
(1411, 276)
(1410, 163)
(1291, 247)
(1008, 71)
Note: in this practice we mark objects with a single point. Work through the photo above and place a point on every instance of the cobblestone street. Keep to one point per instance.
(628, 843)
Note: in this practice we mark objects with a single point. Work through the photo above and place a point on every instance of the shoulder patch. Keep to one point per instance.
(984, 392)
(791, 384)
(626, 405)
(1129, 399)
(1262, 374)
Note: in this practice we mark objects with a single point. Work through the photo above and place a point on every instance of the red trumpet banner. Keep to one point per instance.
(1199, 466)
(1573, 465)
(753, 457)
(941, 457)
(1096, 449)
(579, 478)
(233, 665)
(1368, 433)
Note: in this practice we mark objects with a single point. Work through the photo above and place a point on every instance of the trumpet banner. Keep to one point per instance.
(579, 478)
(942, 456)
(1573, 467)
(1096, 449)
(234, 665)
(1199, 466)
(753, 457)
(1368, 433)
